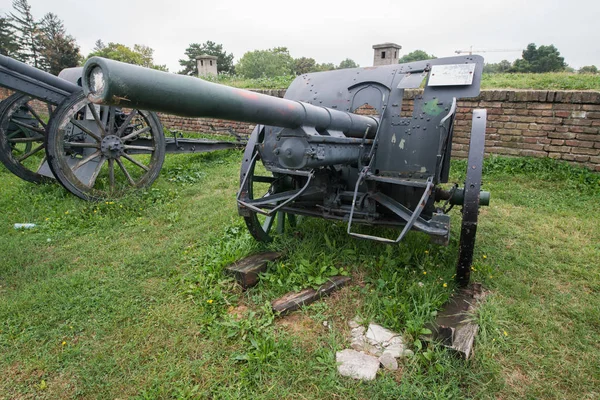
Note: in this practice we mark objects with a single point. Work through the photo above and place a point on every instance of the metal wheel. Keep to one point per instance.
(22, 136)
(259, 183)
(470, 209)
(99, 153)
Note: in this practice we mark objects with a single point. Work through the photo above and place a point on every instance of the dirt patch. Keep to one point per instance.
(238, 312)
(516, 379)
(29, 381)
(299, 324)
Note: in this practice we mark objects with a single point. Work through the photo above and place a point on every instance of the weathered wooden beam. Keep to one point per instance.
(247, 269)
(294, 300)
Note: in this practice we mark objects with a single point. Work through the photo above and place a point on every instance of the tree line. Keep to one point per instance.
(534, 59)
(257, 63)
(42, 43)
(45, 44)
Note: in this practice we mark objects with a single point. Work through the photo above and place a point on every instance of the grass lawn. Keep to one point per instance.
(128, 299)
(545, 81)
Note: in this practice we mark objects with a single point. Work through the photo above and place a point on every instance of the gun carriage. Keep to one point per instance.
(104, 151)
(311, 154)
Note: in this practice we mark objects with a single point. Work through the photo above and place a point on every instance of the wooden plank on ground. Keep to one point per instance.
(294, 300)
(247, 269)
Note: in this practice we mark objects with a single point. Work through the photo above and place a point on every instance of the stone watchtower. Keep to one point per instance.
(207, 65)
(386, 54)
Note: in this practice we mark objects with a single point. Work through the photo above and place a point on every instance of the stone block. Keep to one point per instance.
(560, 135)
(356, 365)
(577, 122)
(585, 151)
(388, 362)
(579, 143)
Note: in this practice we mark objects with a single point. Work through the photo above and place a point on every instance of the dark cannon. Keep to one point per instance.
(49, 129)
(319, 158)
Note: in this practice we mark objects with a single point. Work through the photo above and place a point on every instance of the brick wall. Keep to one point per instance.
(537, 123)
(4, 93)
(39, 107)
(562, 125)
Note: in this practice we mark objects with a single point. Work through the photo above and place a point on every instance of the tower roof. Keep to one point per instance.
(206, 57)
(387, 45)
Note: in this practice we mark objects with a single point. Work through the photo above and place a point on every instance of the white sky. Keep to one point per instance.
(330, 31)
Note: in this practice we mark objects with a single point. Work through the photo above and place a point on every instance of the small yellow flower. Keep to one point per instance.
(445, 284)
(424, 272)
(426, 251)
(106, 202)
(120, 205)
(64, 343)
(209, 301)
(491, 276)
(66, 212)
(493, 340)
(47, 219)
(95, 211)
(505, 333)
(484, 256)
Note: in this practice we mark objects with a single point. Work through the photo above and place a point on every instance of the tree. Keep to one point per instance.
(417, 55)
(147, 57)
(542, 59)
(57, 49)
(8, 41)
(588, 69)
(347, 63)
(140, 55)
(27, 32)
(190, 65)
(99, 45)
(497, 68)
(324, 67)
(266, 63)
(304, 65)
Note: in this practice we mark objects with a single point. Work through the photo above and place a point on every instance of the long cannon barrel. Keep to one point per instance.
(34, 82)
(37, 74)
(115, 83)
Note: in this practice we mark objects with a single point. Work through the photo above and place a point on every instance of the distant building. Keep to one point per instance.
(207, 65)
(386, 54)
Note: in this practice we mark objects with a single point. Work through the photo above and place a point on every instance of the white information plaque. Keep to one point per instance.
(451, 75)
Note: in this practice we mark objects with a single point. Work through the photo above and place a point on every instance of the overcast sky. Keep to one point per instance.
(330, 31)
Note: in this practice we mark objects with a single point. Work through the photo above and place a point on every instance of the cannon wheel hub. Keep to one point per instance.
(111, 146)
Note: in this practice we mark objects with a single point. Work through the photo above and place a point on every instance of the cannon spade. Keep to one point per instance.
(342, 145)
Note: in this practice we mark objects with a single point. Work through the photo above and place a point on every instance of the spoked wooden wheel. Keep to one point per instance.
(260, 183)
(99, 153)
(22, 136)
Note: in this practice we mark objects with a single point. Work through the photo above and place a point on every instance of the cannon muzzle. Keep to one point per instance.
(115, 83)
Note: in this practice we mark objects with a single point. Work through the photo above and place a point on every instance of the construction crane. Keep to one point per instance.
(471, 51)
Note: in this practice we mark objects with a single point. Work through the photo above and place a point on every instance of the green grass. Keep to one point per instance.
(279, 82)
(128, 299)
(545, 81)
